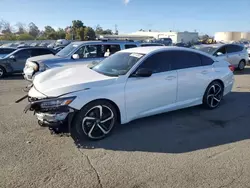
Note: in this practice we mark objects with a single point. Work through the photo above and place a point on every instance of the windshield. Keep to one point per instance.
(208, 49)
(118, 64)
(67, 50)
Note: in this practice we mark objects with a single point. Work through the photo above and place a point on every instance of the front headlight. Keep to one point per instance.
(55, 103)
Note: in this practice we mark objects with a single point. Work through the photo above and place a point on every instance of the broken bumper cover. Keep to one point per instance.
(50, 117)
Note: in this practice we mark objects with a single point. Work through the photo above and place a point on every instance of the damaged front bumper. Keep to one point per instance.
(55, 118)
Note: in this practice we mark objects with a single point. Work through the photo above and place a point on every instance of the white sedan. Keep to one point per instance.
(128, 85)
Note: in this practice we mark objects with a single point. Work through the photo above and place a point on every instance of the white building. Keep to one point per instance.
(175, 36)
(231, 36)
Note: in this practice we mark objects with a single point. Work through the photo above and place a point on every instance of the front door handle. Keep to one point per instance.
(170, 77)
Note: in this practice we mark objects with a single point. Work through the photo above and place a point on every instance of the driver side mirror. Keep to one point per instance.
(143, 72)
(12, 57)
(75, 56)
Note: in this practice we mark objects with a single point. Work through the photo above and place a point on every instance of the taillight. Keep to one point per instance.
(231, 67)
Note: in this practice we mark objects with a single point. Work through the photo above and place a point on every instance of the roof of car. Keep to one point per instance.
(102, 41)
(12, 48)
(150, 49)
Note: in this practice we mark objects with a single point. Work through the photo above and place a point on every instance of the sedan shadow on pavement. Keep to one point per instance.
(13, 77)
(182, 130)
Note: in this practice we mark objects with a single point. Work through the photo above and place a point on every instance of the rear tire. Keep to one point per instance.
(95, 120)
(213, 95)
(241, 65)
(2, 72)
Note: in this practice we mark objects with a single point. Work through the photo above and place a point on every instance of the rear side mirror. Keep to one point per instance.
(143, 72)
(75, 56)
(13, 57)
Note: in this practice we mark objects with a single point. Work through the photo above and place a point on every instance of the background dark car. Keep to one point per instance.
(182, 44)
(15, 61)
(58, 48)
(6, 51)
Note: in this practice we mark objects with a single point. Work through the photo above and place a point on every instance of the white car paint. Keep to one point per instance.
(135, 97)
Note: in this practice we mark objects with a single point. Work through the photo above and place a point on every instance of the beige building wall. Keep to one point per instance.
(175, 36)
(231, 36)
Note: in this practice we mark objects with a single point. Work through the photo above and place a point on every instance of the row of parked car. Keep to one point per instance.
(13, 59)
(34, 60)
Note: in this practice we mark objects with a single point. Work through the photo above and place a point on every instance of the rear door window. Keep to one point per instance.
(97, 51)
(206, 61)
(184, 59)
(23, 54)
(233, 48)
(37, 52)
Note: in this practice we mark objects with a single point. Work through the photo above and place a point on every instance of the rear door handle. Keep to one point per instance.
(204, 72)
(170, 77)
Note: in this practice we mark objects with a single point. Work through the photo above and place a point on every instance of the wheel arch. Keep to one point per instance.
(243, 60)
(220, 81)
(216, 80)
(111, 102)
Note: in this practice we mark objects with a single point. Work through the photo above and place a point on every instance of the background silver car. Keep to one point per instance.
(235, 54)
(75, 53)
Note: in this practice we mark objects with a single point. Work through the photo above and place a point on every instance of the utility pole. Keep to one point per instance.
(116, 31)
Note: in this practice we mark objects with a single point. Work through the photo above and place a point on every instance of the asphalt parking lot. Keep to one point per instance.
(187, 148)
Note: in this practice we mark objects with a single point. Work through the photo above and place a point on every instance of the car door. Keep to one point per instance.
(40, 51)
(192, 77)
(19, 60)
(146, 96)
(221, 53)
(233, 54)
(95, 53)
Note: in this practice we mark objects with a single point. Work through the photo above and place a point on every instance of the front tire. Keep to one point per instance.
(213, 95)
(241, 65)
(2, 72)
(96, 120)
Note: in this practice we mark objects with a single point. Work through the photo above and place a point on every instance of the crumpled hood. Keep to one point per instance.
(43, 58)
(58, 81)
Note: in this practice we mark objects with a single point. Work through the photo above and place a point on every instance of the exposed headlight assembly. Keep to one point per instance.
(56, 103)
(33, 65)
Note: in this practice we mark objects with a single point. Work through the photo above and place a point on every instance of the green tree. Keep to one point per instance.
(89, 33)
(77, 24)
(25, 36)
(107, 32)
(33, 30)
(48, 30)
(80, 33)
(68, 36)
(20, 28)
(99, 31)
(8, 36)
(61, 34)
(5, 27)
(78, 29)
(52, 36)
